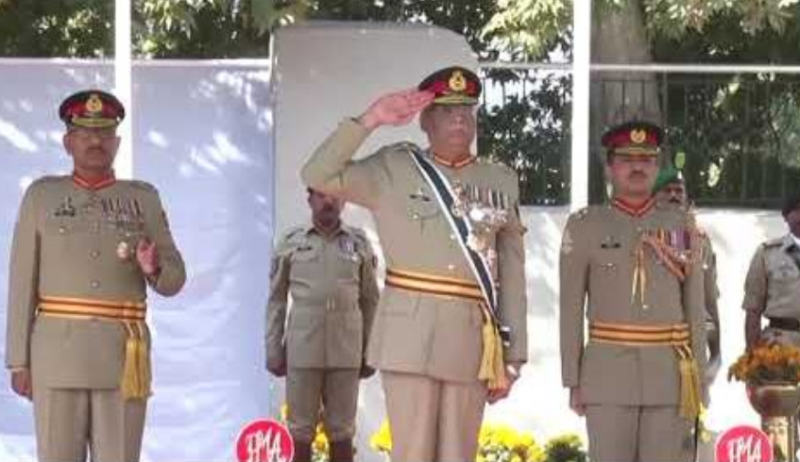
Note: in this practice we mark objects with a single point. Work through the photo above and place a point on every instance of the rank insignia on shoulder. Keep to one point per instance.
(566, 243)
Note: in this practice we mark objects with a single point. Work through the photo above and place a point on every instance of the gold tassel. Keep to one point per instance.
(639, 275)
(136, 374)
(492, 366)
(691, 399)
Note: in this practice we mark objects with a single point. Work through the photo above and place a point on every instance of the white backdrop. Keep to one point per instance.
(202, 135)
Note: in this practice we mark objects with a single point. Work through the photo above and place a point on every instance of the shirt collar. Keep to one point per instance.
(454, 165)
(93, 185)
(635, 211)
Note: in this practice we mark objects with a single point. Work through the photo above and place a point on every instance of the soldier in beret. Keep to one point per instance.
(772, 286)
(632, 269)
(670, 188)
(329, 270)
(86, 247)
(450, 331)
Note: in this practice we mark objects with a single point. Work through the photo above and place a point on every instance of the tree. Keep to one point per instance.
(531, 130)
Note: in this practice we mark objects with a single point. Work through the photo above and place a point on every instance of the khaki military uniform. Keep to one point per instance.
(334, 293)
(76, 298)
(772, 289)
(632, 391)
(428, 345)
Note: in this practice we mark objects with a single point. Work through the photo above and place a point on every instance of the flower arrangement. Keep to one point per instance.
(502, 443)
(320, 445)
(767, 363)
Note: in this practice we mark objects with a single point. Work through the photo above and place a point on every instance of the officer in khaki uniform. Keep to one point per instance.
(329, 270)
(434, 340)
(632, 268)
(772, 286)
(86, 246)
(670, 188)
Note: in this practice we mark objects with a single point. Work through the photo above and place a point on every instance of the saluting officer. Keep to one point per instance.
(86, 247)
(633, 269)
(328, 268)
(450, 330)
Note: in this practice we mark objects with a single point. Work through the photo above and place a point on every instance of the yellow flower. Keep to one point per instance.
(381, 440)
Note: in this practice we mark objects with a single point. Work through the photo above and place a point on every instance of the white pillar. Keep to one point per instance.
(581, 74)
(122, 85)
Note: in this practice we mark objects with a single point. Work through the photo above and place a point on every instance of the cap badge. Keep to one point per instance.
(457, 81)
(94, 104)
(638, 136)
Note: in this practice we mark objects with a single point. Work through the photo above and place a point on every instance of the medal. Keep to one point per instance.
(123, 250)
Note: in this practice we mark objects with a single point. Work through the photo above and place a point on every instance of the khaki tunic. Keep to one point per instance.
(66, 244)
(69, 243)
(334, 295)
(415, 332)
(597, 267)
(772, 285)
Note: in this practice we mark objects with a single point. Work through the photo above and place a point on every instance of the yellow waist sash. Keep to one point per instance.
(136, 373)
(675, 335)
(492, 367)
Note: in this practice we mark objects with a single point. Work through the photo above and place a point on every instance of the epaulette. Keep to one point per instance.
(139, 184)
(582, 213)
(357, 233)
(290, 239)
(775, 242)
(403, 146)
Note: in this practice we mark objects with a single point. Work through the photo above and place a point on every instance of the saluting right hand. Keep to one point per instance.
(21, 383)
(398, 108)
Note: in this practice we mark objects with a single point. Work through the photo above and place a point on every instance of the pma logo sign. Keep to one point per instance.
(265, 441)
(743, 444)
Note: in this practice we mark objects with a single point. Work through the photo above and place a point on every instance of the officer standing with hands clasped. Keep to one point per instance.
(328, 268)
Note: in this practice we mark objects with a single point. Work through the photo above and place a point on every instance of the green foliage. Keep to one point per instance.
(529, 130)
(565, 448)
(76, 28)
(739, 133)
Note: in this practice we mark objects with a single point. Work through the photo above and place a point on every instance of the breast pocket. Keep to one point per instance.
(607, 263)
(348, 266)
(306, 264)
(62, 231)
(784, 272)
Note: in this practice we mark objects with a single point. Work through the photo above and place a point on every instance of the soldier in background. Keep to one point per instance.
(328, 268)
(670, 188)
(86, 247)
(772, 286)
(450, 331)
(633, 269)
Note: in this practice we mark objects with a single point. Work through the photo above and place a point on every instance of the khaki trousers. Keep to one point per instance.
(333, 391)
(70, 422)
(433, 420)
(638, 433)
